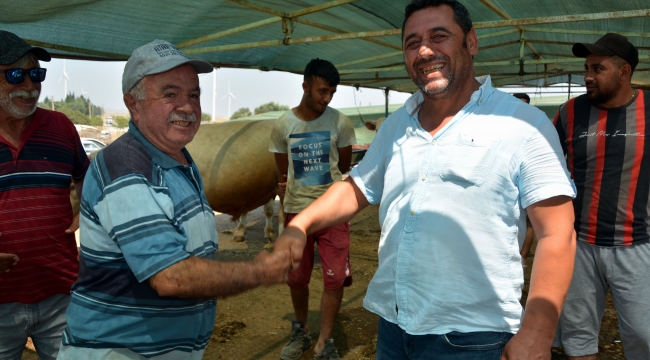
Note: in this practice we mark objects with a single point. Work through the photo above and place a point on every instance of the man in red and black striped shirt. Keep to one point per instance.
(40, 152)
(604, 135)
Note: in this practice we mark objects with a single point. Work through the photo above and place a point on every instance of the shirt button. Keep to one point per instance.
(433, 142)
(424, 177)
(480, 101)
(412, 212)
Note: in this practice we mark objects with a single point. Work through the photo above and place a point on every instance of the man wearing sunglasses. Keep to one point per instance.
(40, 152)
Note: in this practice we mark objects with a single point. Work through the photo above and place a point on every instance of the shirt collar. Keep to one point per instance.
(414, 102)
(158, 156)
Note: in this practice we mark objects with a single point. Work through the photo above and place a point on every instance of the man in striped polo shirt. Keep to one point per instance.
(148, 279)
(40, 153)
(603, 134)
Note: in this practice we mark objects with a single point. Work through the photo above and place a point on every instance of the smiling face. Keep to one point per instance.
(438, 55)
(602, 79)
(168, 115)
(18, 101)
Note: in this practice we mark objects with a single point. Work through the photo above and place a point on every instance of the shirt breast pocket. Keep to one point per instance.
(468, 159)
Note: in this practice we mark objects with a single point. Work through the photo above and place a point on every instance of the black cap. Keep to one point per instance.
(609, 44)
(12, 48)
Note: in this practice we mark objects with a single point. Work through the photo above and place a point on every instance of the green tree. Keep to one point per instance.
(75, 116)
(96, 121)
(270, 106)
(242, 112)
(121, 122)
(73, 106)
(205, 117)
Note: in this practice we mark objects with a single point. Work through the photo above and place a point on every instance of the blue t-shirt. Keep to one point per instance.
(141, 212)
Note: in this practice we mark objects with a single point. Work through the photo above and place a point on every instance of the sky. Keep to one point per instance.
(101, 81)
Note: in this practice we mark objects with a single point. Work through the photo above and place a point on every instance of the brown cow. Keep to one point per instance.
(238, 170)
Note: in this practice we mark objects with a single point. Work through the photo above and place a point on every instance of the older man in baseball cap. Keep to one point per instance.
(40, 153)
(605, 135)
(148, 278)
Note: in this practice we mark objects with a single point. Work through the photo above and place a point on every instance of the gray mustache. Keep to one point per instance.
(24, 94)
(176, 116)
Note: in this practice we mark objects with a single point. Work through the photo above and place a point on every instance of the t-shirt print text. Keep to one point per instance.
(310, 156)
(604, 133)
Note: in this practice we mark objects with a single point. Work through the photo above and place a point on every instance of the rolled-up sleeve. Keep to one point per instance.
(369, 174)
(542, 171)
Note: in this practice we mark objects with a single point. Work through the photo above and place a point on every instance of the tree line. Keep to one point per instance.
(82, 111)
(78, 108)
(270, 106)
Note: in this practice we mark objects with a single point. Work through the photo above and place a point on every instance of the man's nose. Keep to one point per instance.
(184, 105)
(28, 84)
(425, 50)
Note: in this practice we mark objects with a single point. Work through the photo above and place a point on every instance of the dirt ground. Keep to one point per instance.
(256, 325)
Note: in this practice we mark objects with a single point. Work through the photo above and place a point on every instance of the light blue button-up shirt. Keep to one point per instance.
(452, 211)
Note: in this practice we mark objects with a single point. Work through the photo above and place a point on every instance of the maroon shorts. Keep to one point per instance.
(334, 249)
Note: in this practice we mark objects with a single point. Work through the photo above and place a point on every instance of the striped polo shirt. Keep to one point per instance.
(142, 211)
(35, 208)
(609, 160)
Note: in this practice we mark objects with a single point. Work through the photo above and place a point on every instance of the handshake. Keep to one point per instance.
(274, 266)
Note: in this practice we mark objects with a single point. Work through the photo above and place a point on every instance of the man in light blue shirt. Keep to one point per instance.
(455, 171)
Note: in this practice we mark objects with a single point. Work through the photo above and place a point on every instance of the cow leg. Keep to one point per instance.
(281, 216)
(240, 230)
(269, 234)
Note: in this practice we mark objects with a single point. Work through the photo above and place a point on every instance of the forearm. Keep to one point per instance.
(78, 187)
(202, 278)
(549, 283)
(339, 204)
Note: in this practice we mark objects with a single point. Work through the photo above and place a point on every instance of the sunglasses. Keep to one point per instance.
(17, 75)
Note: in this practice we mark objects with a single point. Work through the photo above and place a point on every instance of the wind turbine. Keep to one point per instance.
(230, 96)
(65, 81)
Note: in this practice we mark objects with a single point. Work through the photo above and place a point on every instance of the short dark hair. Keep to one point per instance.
(522, 96)
(323, 69)
(619, 61)
(461, 15)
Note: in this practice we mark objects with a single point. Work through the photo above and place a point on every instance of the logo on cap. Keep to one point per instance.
(167, 50)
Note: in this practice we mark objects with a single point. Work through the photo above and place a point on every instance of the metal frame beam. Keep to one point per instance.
(564, 19)
(101, 54)
(585, 32)
(270, 11)
(568, 43)
(375, 79)
(294, 14)
(370, 34)
(497, 33)
(257, 24)
(339, 31)
(371, 70)
(493, 7)
(305, 40)
(499, 45)
(229, 32)
(483, 63)
(368, 59)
